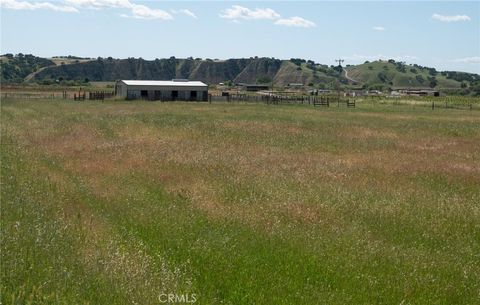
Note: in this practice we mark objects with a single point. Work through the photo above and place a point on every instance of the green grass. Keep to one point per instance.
(118, 202)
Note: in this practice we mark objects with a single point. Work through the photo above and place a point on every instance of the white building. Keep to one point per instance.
(176, 89)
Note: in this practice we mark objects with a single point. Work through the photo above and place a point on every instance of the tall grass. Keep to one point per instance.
(116, 203)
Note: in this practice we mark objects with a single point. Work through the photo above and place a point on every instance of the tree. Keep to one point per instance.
(400, 66)
(432, 71)
(475, 87)
(419, 79)
(382, 76)
(264, 80)
(297, 61)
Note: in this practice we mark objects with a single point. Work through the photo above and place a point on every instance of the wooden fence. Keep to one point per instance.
(100, 95)
(447, 102)
(77, 96)
(325, 101)
(271, 99)
(30, 96)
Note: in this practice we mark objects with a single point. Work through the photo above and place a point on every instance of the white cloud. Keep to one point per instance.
(99, 4)
(296, 22)
(452, 18)
(379, 28)
(138, 11)
(188, 13)
(239, 12)
(25, 5)
(468, 60)
(185, 12)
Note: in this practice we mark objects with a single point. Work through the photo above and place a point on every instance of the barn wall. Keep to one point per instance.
(162, 93)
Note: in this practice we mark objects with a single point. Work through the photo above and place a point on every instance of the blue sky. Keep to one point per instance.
(441, 34)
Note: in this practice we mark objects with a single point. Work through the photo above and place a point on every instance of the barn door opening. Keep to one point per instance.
(193, 95)
(174, 95)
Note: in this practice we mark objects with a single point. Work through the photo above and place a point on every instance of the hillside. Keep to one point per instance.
(393, 74)
(381, 75)
(243, 70)
(17, 68)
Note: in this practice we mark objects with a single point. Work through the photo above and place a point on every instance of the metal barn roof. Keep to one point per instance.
(175, 83)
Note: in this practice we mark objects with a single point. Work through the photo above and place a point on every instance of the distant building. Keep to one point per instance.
(374, 93)
(174, 90)
(419, 92)
(254, 87)
(394, 93)
(295, 85)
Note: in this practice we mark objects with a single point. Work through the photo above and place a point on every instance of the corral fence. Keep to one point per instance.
(442, 102)
(77, 96)
(100, 95)
(445, 102)
(30, 96)
(325, 101)
(282, 99)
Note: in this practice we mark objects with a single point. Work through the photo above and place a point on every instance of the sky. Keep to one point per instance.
(440, 34)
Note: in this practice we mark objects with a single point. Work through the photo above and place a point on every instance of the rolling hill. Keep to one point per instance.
(401, 75)
(379, 75)
(243, 70)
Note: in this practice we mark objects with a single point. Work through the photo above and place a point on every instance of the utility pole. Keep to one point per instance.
(338, 85)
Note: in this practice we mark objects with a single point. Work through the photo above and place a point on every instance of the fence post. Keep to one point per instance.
(433, 105)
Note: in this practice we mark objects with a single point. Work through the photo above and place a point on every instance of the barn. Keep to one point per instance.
(154, 90)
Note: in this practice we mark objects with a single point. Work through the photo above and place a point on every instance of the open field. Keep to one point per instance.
(119, 202)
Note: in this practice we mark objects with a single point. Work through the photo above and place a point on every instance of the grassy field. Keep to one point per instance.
(119, 202)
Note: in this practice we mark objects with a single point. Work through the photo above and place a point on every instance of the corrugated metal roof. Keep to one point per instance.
(175, 83)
